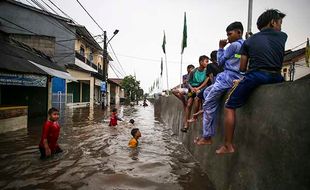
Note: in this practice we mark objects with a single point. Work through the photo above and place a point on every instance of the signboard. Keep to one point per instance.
(103, 87)
(22, 80)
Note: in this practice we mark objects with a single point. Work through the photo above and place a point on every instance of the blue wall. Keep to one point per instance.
(58, 85)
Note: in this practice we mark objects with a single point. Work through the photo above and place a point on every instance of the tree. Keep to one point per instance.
(132, 88)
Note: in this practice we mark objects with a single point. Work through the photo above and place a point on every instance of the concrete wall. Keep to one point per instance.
(272, 138)
(45, 44)
(13, 118)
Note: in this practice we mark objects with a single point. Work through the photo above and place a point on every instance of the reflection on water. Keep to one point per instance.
(97, 157)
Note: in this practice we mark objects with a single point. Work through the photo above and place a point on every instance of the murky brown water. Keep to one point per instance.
(97, 157)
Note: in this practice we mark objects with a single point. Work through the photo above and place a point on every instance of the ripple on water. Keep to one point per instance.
(97, 157)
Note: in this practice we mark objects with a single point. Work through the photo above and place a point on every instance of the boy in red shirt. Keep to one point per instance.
(50, 133)
(114, 118)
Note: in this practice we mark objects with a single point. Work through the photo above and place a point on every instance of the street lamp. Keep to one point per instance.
(105, 57)
(114, 33)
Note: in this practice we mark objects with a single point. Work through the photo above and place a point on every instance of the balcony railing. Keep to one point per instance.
(86, 61)
(94, 66)
(100, 71)
(80, 57)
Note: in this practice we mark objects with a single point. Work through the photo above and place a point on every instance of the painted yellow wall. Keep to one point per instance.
(96, 53)
(79, 75)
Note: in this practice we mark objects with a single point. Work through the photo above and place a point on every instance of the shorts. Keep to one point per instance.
(200, 94)
(43, 155)
(191, 95)
(240, 92)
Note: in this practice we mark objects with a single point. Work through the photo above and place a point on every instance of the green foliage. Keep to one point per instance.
(132, 88)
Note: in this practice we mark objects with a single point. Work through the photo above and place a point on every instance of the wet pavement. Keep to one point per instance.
(96, 156)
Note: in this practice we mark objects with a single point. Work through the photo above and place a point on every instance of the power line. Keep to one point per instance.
(58, 22)
(114, 71)
(49, 7)
(149, 59)
(61, 11)
(117, 59)
(47, 12)
(89, 15)
(25, 29)
(298, 45)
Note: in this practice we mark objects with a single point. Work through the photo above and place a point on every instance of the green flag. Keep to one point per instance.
(307, 52)
(184, 41)
(164, 43)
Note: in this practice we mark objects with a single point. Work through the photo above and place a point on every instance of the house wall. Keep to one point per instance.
(41, 25)
(97, 58)
(36, 98)
(301, 70)
(46, 44)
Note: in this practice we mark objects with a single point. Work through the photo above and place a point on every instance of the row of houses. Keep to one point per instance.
(49, 60)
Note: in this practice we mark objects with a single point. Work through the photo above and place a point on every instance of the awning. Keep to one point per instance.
(84, 66)
(54, 72)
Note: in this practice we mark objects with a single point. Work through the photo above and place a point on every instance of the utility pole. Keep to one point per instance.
(249, 28)
(105, 68)
(106, 62)
(105, 55)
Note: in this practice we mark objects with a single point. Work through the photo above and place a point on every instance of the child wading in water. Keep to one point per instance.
(50, 133)
(133, 143)
(132, 122)
(114, 118)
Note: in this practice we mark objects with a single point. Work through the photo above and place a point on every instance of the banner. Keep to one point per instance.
(23, 80)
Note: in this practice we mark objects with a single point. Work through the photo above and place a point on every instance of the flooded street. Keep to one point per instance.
(97, 156)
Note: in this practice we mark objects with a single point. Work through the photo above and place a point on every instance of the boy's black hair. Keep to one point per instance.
(203, 57)
(213, 56)
(190, 66)
(235, 26)
(132, 121)
(266, 17)
(52, 110)
(134, 131)
(114, 110)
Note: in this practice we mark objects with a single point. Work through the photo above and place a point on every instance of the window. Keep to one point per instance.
(91, 56)
(82, 51)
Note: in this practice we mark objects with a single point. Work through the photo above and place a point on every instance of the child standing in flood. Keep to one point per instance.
(136, 134)
(50, 133)
(114, 118)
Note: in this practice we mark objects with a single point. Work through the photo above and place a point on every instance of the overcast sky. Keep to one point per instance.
(141, 24)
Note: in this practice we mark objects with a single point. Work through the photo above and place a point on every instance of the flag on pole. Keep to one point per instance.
(164, 43)
(307, 52)
(161, 67)
(184, 41)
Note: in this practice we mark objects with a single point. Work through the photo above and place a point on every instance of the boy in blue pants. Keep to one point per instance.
(264, 51)
(230, 59)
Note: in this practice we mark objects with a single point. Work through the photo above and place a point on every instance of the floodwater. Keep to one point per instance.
(96, 156)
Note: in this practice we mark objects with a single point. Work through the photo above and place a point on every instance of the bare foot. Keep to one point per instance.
(198, 113)
(225, 149)
(192, 120)
(203, 141)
